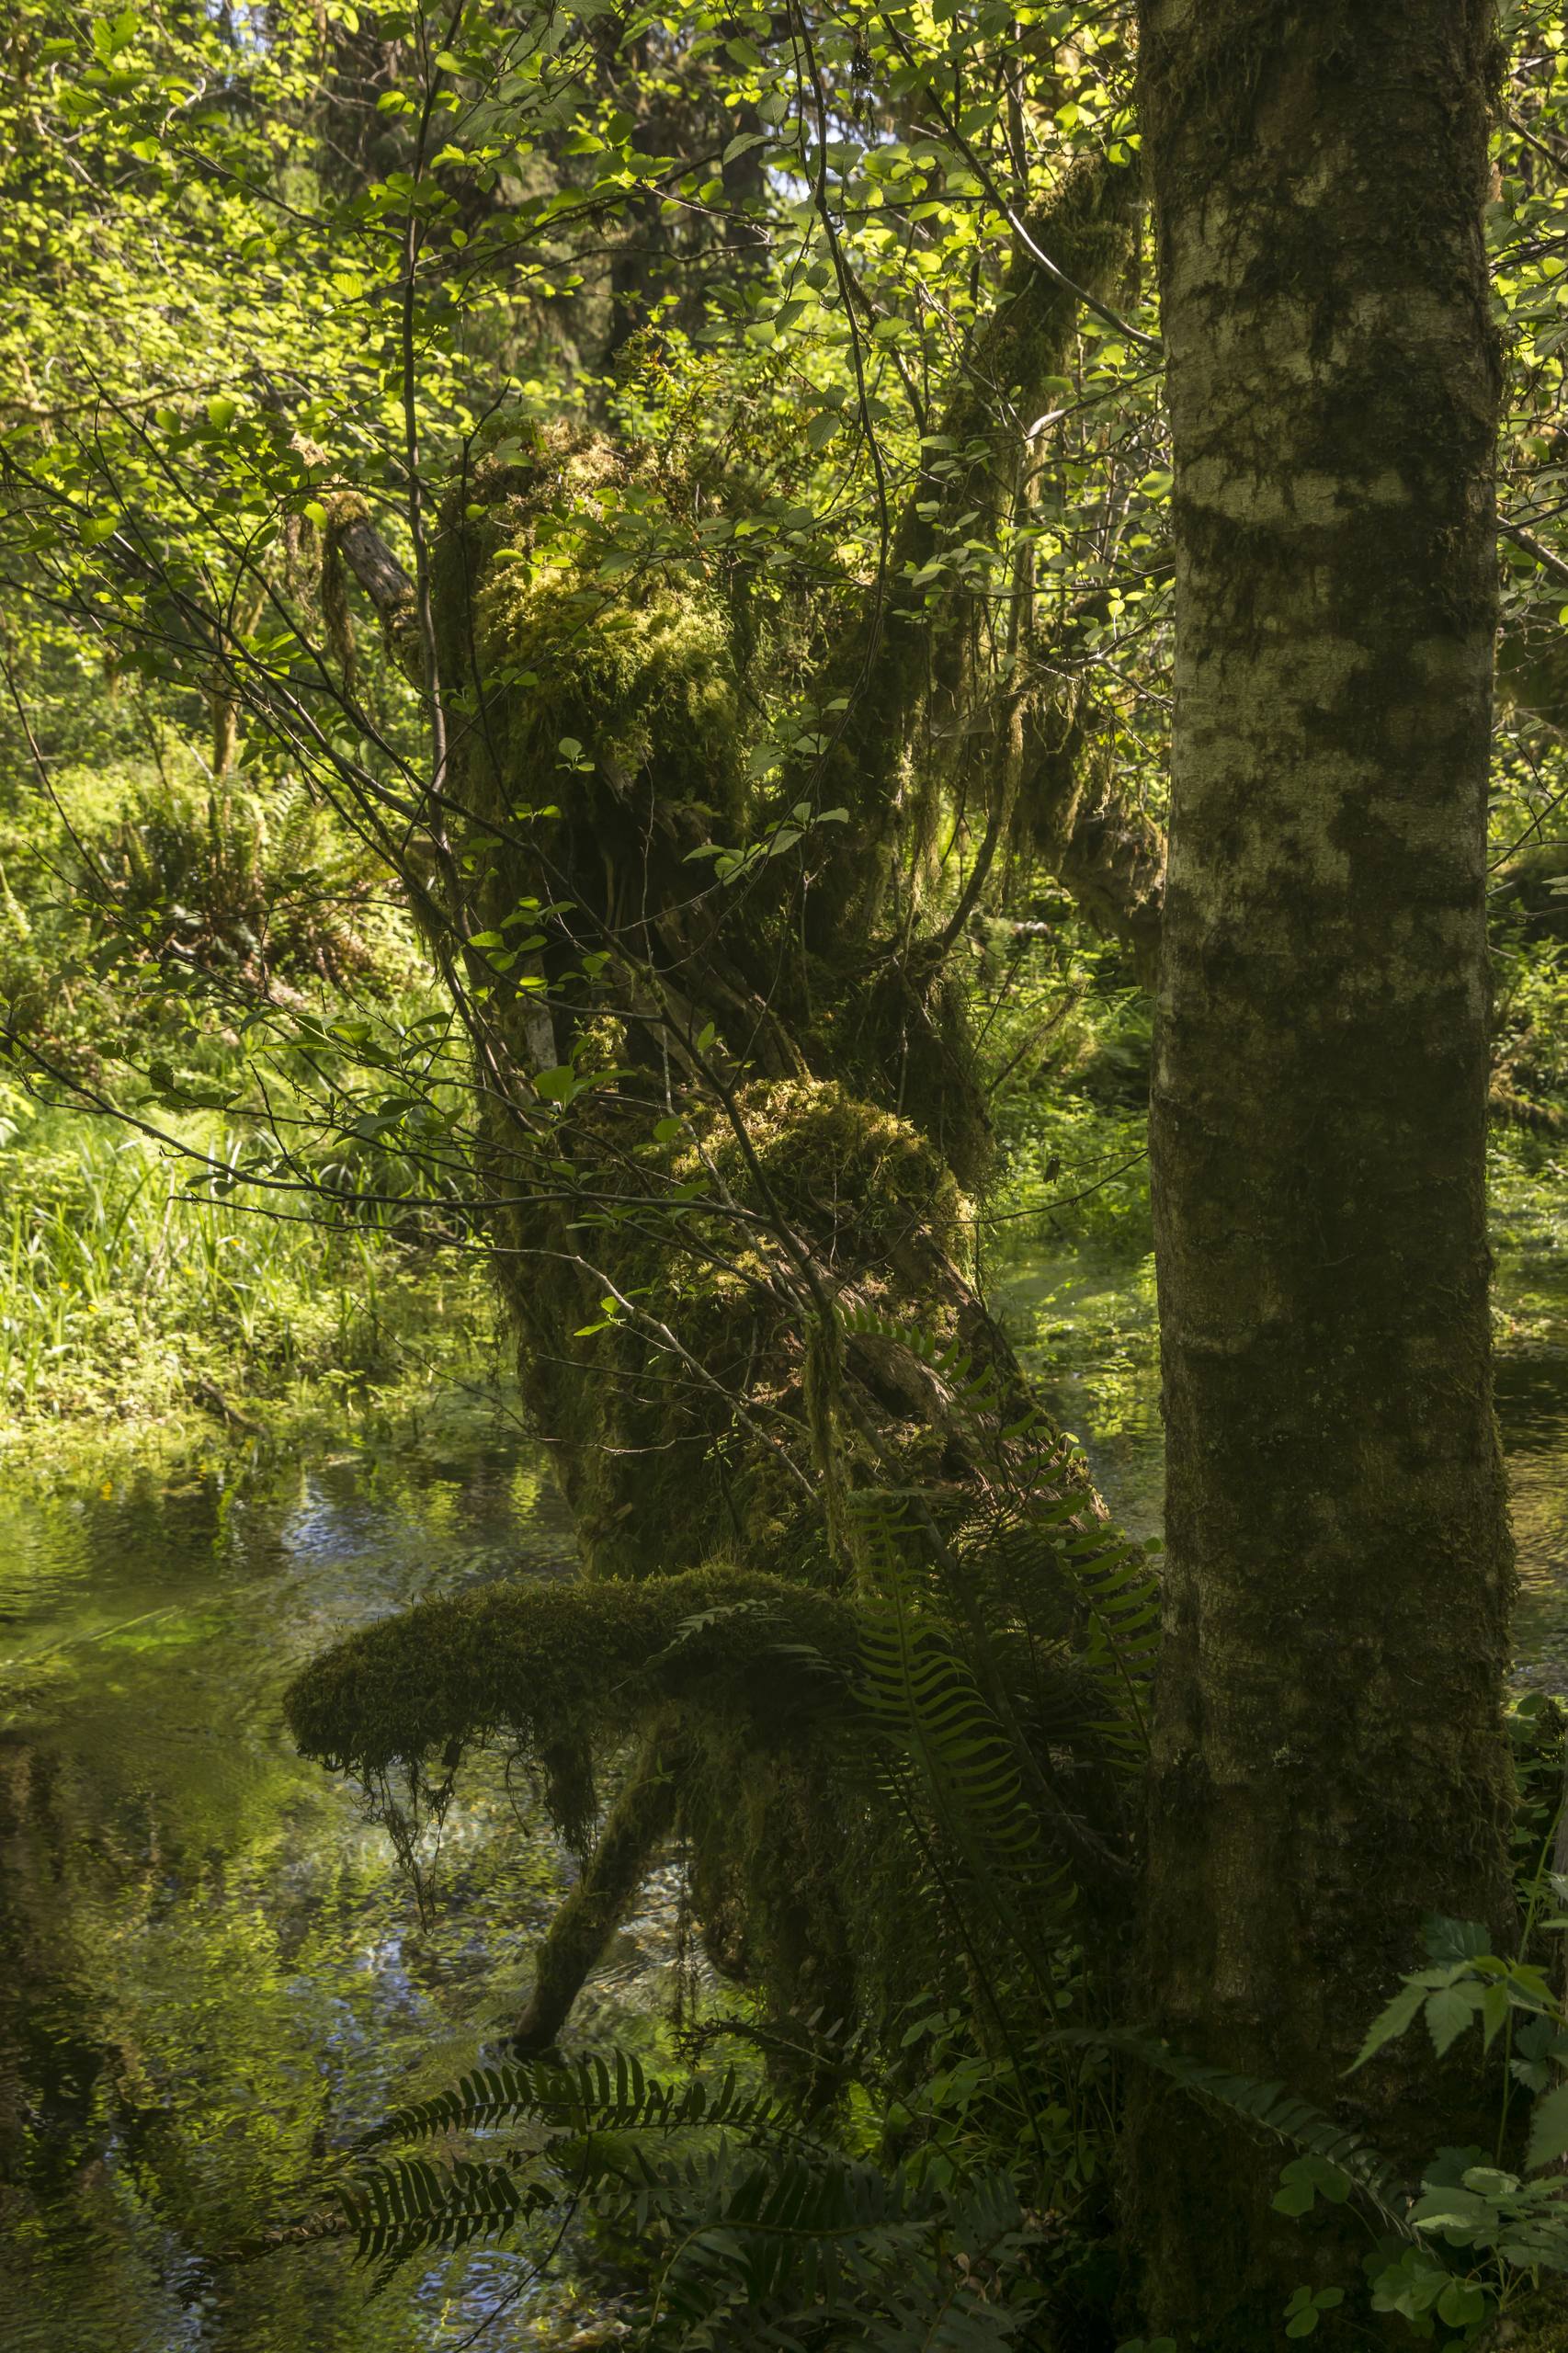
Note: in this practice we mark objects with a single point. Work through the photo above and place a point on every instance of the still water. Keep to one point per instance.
(209, 1967)
(1086, 1325)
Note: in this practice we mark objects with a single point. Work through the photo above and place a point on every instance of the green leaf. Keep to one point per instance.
(1494, 2007)
(1448, 1940)
(1449, 2012)
(1462, 2303)
(1307, 2179)
(221, 412)
(1390, 2024)
(1549, 2130)
(111, 34)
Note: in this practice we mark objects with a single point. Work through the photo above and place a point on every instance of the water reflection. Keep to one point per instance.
(209, 1969)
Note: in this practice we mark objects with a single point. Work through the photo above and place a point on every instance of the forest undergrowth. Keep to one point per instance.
(621, 714)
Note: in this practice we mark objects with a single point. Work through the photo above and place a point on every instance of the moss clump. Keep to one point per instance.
(859, 1180)
(639, 677)
(544, 1663)
(664, 1470)
(569, 637)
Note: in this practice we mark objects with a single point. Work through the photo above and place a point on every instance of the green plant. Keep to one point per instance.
(122, 1289)
(752, 2230)
(1307, 2305)
(951, 1679)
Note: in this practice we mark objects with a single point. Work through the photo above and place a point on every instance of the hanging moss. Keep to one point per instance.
(772, 1827)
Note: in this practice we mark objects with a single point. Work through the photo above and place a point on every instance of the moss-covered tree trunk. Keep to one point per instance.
(786, 1044)
(1330, 1763)
(729, 1116)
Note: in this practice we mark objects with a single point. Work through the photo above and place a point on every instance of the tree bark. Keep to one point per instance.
(1330, 1763)
(611, 1879)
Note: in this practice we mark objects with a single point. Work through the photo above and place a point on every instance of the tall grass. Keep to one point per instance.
(121, 1294)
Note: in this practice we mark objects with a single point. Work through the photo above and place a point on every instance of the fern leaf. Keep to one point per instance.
(594, 2094)
(1270, 2108)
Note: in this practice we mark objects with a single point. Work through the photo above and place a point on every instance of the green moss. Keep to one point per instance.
(543, 1662)
(716, 1675)
(636, 663)
(662, 1470)
(689, 1466)
(635, 676)
(1537, 2325)
(770, 1871)
(860, 1180)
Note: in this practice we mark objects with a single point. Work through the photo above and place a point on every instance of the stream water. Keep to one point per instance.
(209, 1966)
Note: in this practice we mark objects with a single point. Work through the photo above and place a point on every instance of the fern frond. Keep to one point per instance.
(776, 2256)
(916, 1685)
(409, 2206)
(592, 2093)
(1268, 2108)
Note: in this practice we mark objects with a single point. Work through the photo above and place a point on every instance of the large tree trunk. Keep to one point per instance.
(1330, 1763)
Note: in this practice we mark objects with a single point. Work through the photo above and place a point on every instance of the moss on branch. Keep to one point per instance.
(541, 1664)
